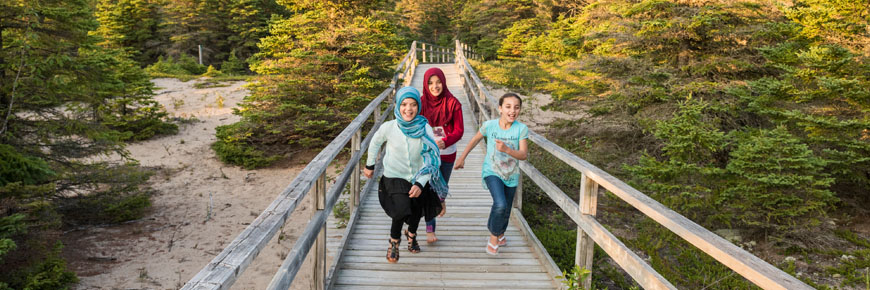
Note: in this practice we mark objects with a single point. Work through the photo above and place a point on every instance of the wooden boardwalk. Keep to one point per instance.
(458, 260)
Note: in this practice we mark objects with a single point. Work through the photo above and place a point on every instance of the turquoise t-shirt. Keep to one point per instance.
(497, 163)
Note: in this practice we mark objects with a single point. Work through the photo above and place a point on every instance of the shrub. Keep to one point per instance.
(232, 147)
(184, 65)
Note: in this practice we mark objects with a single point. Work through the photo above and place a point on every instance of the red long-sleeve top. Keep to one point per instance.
(443, 111)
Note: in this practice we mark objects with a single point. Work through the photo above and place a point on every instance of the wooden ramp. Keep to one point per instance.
(458, 260)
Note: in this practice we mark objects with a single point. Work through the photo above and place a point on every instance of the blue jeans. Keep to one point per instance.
(446, 169)
(502, 201)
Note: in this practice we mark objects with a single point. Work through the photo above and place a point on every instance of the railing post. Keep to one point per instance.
(424, 52)
(585, 246)
(320, 244)
(518, 196)
(354, 177)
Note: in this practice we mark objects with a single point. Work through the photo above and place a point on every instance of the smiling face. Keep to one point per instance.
(408, 109)
(435, 86)
(510, 109)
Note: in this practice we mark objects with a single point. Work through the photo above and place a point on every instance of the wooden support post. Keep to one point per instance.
(354, 177)
(518, 196)
(424, 52)
(320, 244)
(585, 246)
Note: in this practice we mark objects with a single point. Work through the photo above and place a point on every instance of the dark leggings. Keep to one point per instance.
(412, 220)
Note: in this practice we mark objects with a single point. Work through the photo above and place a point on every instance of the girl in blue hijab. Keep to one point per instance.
(412, 180)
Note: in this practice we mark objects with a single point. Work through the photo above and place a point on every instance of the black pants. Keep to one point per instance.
(412, 220)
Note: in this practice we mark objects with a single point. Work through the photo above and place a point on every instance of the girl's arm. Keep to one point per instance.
(460, 162)
(374, 148)
(520, 154)
(457, 127)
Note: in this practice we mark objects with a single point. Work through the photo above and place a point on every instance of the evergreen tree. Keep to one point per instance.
(318, 68)
(62, 97)
(132, 25)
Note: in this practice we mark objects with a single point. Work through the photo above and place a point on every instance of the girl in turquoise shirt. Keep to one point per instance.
(505, 147)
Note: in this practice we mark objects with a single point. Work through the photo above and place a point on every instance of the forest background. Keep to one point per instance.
(751, 118)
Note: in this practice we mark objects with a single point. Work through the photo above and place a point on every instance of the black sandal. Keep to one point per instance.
(393, 252)
(413, 246)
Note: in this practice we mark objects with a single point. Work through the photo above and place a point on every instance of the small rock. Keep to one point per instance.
(731, 235)
(798, 274)
(836, 276)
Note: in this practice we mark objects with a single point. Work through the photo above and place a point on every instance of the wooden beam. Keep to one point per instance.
(585, 246)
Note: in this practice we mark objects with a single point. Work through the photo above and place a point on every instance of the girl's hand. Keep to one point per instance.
(459, 164)
(415, 191)
(443, 209)
(500, 146)
(441, 144)
(368, 172)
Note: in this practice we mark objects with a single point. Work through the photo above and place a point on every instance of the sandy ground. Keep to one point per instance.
(178, 236)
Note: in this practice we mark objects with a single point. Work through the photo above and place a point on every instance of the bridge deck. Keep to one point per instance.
(458, 260)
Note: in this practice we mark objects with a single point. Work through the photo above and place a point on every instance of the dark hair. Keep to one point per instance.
(509, 95)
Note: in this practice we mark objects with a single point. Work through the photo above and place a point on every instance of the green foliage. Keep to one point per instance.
(317, 71)
(230, 149)
(575, 278)
(842, 22)
(773, 135)
(48, 274)
(341, 211)
(681, 263)
(183, 65)
(778, 180)
(16, 167)
(234, 65)
(131, 25)
(123, 196)
(517, 36)
(212, 72)
(480, 22)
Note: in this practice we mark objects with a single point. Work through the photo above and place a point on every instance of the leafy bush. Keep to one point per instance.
(234, 65)
(183, 65)
(212, 72)
(48, 274)
(231, 149)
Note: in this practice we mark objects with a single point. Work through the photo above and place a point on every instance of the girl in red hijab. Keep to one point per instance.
(445, 116)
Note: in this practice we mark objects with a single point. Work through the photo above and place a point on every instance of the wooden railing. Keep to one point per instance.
(590, 232)
(431, 53)
(227, 266)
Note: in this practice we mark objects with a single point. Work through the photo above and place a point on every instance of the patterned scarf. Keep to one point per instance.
(416, 129)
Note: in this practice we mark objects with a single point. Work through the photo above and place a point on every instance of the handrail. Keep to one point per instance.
(742, 262)
(433, 53)
(228, 265)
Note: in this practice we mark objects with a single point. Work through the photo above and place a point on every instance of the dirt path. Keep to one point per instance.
(179, 236)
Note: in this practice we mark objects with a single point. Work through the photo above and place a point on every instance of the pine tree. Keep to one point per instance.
(318, 68)
(62, 98)
(132, 25)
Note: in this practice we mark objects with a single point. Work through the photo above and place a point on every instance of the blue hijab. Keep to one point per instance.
(416, 129)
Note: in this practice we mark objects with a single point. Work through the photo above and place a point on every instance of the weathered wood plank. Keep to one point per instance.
(402, 267)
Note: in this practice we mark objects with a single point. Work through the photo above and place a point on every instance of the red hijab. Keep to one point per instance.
(437, 109)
